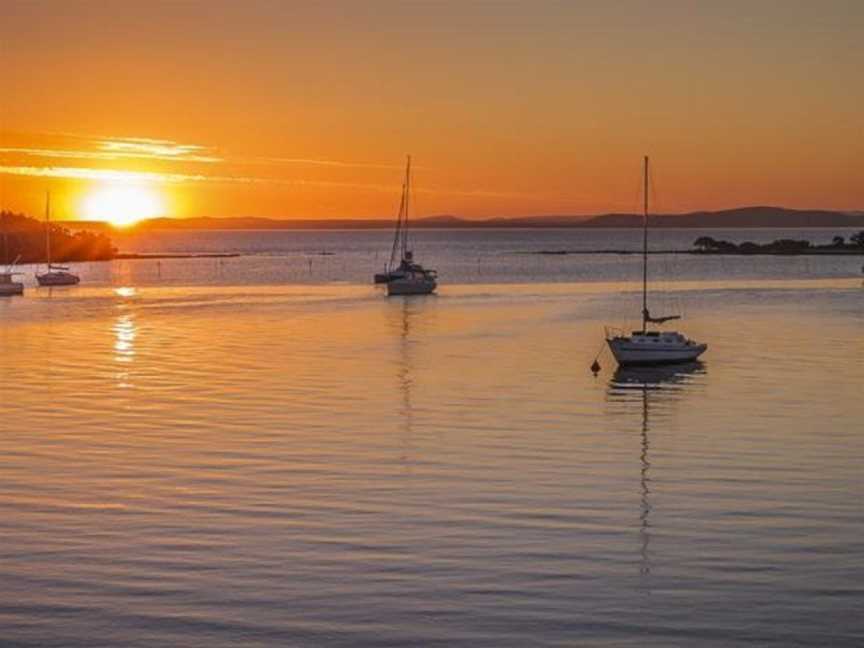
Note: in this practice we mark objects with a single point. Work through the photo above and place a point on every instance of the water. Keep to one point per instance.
(223, 456)
(460, 256)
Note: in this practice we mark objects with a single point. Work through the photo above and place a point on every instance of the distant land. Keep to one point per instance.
(742, 217)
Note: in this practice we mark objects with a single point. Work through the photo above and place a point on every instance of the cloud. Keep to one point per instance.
(113, 150)
(88, 148)
(156, 149)
(138, 177)
(109, 148)
(312, 162)
(149, 177)
(108, 175)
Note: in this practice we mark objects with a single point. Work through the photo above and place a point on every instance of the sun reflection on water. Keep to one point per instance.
(125, 333)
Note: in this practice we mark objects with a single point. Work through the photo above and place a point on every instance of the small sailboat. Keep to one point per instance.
(8, 285)
(407, 277)
(55, 275)
(646, 347)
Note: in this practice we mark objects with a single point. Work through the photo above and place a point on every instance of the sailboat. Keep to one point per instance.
(55, 275)
(8, 285)
(646, 347)
(408, 277)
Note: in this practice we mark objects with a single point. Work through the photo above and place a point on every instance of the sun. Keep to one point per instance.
(122, 205)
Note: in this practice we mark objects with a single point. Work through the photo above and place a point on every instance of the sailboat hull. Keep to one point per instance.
(387, 277)
(58, 279)
(630, 353)
(411, 286)
(12, 288)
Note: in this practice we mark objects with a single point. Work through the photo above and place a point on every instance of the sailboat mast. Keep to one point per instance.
(645, 246)
(407, 204)
(48, 229)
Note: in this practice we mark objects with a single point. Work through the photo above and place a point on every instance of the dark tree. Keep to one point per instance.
(23, 238)
(705, 243)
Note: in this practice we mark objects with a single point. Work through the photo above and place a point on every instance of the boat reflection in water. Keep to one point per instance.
(658, 388)
(407, 316)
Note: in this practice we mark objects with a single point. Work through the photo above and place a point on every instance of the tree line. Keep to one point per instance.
(781, 246)
(24, 239)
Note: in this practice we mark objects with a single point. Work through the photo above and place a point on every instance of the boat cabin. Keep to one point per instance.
(657, 337)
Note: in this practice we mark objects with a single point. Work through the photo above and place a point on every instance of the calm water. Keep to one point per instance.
(255, 453)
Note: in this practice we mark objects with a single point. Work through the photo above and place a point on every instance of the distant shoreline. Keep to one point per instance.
(739, 218)
(126, 256)
(136, 256)
(809, 252)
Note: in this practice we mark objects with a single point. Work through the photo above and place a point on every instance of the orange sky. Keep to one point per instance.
(274, 109)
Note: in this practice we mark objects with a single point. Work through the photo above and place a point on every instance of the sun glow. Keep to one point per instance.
(122, 205)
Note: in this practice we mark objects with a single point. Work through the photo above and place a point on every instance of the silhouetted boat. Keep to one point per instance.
(8, 285)
(646, 347)
(408, 277)
(55, 275)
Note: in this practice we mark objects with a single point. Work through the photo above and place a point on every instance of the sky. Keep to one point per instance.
(280, 109)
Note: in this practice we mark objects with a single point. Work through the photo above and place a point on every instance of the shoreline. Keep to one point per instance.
(144, 256)
(137, 256)
(812, 252)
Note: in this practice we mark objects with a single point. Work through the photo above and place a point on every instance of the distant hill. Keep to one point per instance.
(742, 217)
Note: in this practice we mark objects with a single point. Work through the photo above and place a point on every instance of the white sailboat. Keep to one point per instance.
(646, 347)
(55, 275)
(8, 285)
(407, 277)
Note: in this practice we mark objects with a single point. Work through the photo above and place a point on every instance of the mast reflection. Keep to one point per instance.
(647, 388)
(408, 313)
(405, 370)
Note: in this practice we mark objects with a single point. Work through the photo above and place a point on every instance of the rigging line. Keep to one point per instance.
(407, 207)
(655, 197)
(665, 285)
(398, 234)
(645, 181)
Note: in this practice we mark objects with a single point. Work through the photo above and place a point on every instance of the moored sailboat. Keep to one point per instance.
(55, 275)
(407, 277)
(646, 347)
(8, 285)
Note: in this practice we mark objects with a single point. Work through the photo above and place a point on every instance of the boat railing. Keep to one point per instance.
(614, 332)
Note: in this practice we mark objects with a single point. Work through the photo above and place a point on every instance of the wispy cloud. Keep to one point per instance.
(110, 148)
(114, 175)
(120, 150)
(313, 162)
(108, 175)
(160, 150)
(148, 177)
(95, 149)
